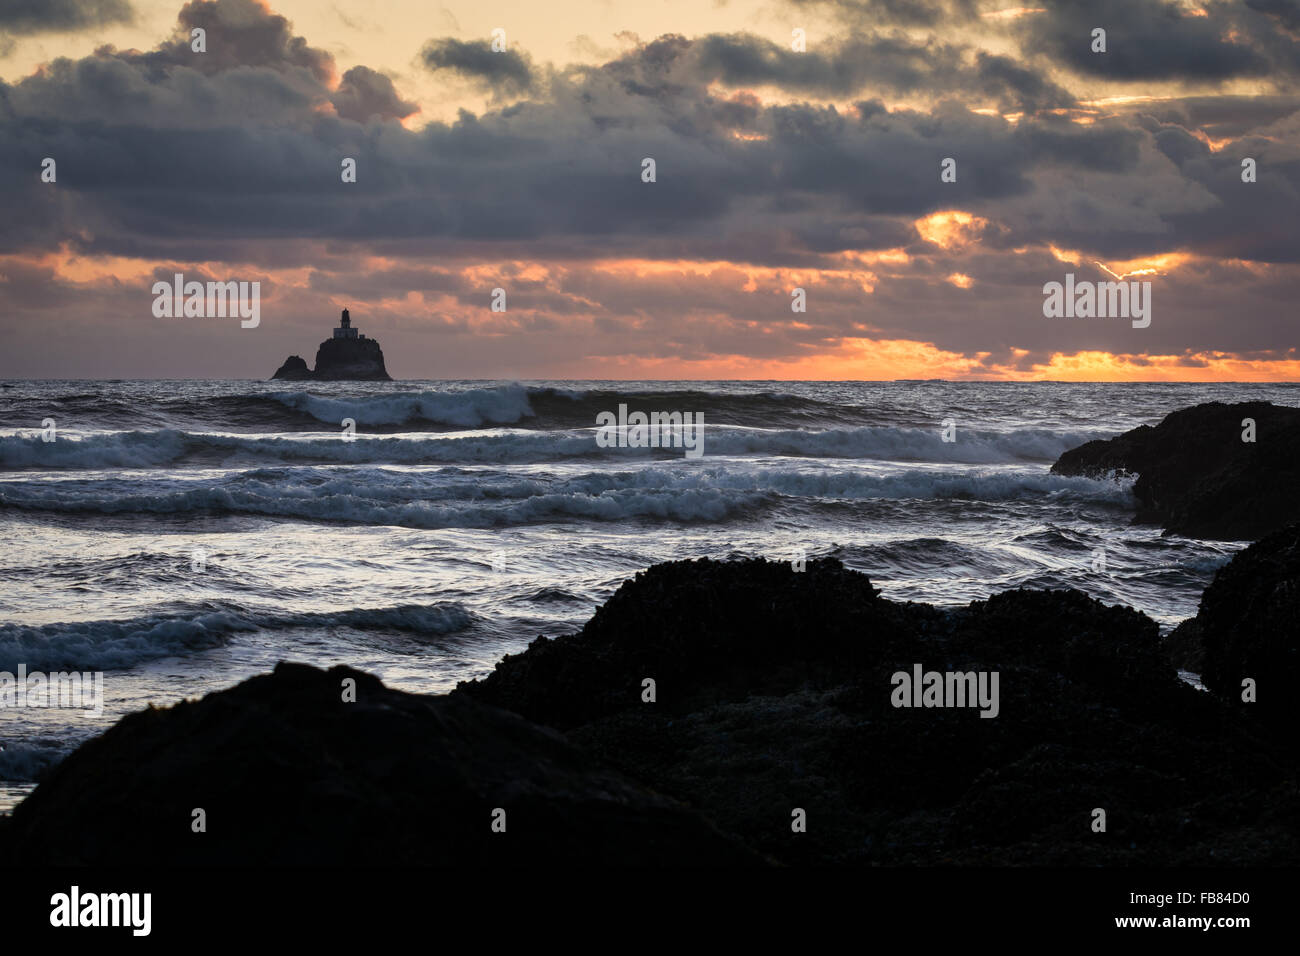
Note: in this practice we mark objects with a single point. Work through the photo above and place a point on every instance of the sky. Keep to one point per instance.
(797, 145)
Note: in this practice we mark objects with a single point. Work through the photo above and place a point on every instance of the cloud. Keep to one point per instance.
(24, 17)
(866, 61)
(240, 33)
(364, 94)
(1286, 12)
(908, 13)
(1147, 40)
(773, 169)
(243, 150)
(507, 72)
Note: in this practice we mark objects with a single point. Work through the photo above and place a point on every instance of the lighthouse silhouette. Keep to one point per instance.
(345, 329)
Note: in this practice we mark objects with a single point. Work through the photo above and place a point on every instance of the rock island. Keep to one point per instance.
(347, 355)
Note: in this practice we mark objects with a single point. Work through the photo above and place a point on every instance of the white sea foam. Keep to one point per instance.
(143, 449)
(494, 499)
(503, 405)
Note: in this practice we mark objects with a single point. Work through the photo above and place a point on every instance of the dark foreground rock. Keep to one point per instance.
(1248, 628)
(774, 693)
(1197, 477)
(289, 773)
(1185, 646)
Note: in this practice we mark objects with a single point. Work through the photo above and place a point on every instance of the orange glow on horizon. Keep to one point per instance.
(891, 359)
(811, 351)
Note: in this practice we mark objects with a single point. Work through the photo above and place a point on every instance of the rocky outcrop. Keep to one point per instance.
(1185, 646)
(350, 360)
(339, 360)
(1196, 474)
(347, 356)
(773, 702)
(773, 692)
(287, 772)
(1248, 628)
(294, 369)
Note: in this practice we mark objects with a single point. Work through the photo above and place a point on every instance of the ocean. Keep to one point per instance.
(180, 536)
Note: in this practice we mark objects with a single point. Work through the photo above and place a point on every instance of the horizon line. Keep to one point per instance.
(863, 381)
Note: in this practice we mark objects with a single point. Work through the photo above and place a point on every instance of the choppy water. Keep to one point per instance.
(468, 517)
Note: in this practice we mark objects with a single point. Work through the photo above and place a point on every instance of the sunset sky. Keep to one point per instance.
(775, 169)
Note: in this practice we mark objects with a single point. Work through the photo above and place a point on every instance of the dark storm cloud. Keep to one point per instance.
(1223, 116)
(1250, 220)
(157, 149)
(1150, 40)
(891, 62)
(836, 67)
(508, 71)
(1110, 149)
(108, 89)
(1285, 12)
(1016, 85)
(60, 16)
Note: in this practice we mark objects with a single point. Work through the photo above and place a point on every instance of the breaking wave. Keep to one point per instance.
(166, 447)
(114, 645)
(453, 498)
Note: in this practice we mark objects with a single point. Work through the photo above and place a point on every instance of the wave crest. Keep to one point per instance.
(155, 449)
(118, 644)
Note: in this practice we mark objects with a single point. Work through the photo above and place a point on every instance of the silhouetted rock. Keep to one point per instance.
(289, 773)
(344, 359)
(774, 693)
(1249, 625)
(347, 356)
(294, 369)
(1197, 477)
(1185, 646)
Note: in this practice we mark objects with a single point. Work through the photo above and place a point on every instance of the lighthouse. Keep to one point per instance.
(345, 329)
(347, 355)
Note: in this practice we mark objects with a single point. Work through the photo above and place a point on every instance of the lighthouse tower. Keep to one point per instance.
(345, 329)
